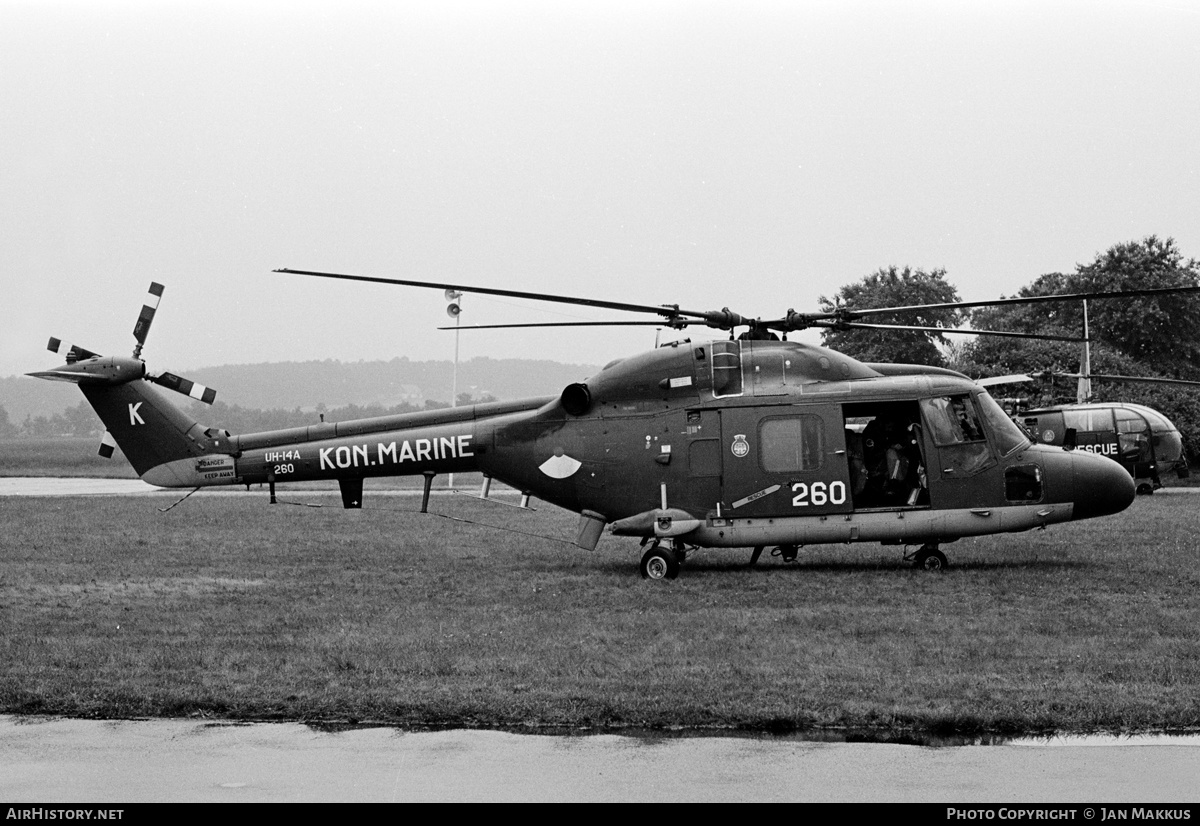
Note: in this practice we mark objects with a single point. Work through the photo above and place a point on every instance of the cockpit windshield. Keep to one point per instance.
(1008, 435)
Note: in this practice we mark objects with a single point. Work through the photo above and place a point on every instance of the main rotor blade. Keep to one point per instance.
(992, 381)
(859, 325)
(1109, 377)
(1051, 374)
(1032, 299)
(678, 324)
(663, 310)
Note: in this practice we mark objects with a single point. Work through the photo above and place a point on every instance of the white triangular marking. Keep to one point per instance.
(560, 467)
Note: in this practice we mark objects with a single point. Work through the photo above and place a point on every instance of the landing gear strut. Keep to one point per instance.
(787, 553)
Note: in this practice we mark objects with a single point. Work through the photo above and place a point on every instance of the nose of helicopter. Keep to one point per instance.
(1101, 486)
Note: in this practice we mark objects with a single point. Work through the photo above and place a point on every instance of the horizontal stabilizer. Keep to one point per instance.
(111, 370)
(64, 374)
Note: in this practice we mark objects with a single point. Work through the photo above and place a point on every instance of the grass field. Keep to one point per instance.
(230, 608)
(60, 457)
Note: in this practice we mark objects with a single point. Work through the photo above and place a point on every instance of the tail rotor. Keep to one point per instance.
(85, 367)
(142, 328)
(187, 387)
(70, 352)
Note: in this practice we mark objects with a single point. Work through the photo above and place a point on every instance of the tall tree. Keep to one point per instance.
(894, 287)
(1157, 332)
(1148, 337)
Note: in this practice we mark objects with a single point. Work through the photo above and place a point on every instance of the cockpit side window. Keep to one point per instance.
(953, 422)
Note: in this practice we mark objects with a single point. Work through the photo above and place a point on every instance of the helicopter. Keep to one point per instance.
(1139, 438)
(751, 442)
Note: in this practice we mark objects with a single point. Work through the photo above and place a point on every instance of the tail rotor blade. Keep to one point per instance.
(185, 386)
(70, 352)
(142, 328)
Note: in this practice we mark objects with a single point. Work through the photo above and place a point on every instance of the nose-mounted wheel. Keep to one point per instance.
(929, 558)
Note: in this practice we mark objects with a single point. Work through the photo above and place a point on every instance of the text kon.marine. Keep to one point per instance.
(395, 453)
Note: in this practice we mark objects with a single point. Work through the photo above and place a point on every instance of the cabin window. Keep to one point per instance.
(1087, 420)
(791, 444)
(1133, 435)
(953, 421)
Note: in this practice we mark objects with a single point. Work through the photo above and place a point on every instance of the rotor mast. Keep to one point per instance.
(1083, 391)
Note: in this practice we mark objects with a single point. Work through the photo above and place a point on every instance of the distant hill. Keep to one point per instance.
(306, 384)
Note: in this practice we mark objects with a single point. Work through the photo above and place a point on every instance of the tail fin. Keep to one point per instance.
(165, 446)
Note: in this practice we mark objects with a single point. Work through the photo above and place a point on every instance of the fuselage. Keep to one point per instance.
(1139, 438)
(729, 443)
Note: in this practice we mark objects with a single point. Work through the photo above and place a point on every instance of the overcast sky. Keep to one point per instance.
(755, 155)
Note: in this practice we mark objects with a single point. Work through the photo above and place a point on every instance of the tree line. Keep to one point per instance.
(1145, 336)
(1148, 336)
(81, 420)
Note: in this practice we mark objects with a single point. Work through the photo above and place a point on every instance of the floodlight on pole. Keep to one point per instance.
(454, 310)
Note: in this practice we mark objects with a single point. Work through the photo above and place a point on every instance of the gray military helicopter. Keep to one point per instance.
(751, 442)
(1139, 438)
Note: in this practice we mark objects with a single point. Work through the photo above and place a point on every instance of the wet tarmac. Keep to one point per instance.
(49, 760)
(55, 486)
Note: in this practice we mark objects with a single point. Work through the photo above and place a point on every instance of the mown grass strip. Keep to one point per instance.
(232, 608)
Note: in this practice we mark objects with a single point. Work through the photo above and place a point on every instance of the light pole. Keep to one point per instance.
(454, 310)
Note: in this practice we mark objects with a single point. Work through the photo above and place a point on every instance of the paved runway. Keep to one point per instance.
(50, 760)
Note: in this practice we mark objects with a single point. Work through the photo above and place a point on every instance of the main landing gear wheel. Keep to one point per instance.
(659, 563)
(930, 559)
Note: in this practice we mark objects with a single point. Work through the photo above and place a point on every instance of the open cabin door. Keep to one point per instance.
(887, 455)
(781, 461)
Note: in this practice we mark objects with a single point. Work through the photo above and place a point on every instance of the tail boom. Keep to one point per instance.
(169, 449)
